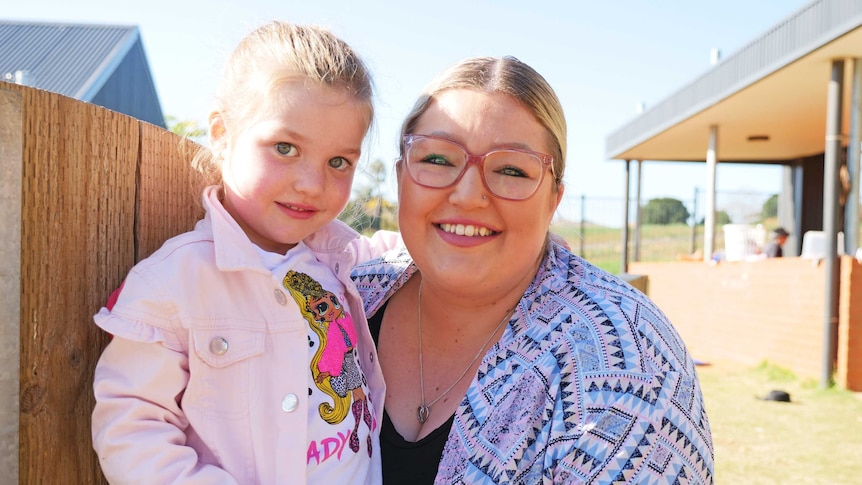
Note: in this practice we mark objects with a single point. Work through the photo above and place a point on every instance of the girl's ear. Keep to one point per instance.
(217, 133)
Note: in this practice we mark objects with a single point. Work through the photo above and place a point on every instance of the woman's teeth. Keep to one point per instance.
(468, 230)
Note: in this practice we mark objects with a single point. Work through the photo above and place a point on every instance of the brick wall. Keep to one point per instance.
(849, 368)
(749, 312)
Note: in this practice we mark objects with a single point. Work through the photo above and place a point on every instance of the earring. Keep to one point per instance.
(484, 197)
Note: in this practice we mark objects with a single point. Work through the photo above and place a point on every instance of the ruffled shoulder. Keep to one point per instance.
(138, 331)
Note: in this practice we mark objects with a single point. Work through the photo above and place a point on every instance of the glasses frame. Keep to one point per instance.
(479, 161)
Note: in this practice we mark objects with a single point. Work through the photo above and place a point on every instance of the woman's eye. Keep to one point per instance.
(286, 149)
(339, 163)
(435, 159)
(512, 172)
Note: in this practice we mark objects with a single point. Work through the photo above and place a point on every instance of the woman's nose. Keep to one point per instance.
(470, 189)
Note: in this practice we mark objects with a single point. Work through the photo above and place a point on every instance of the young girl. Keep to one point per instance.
(241, 353)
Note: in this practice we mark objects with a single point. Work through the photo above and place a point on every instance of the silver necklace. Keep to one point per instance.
(424, 410)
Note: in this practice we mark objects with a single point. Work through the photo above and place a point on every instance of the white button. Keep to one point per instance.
(371, 356)
(218, 346)
(336, 268)
(280, 298)
(289, 403)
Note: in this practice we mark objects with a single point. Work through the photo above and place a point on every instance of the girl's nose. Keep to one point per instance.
(309, 178)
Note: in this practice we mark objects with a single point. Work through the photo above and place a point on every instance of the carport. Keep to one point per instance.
(791, 97)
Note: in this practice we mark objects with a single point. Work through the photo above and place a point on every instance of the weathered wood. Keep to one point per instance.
(170, 191)
(10, 280)
(99, 191)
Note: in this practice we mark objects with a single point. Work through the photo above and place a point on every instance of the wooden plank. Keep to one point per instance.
(97, 191)
(79, 172)
(10, 280)
(170, 190)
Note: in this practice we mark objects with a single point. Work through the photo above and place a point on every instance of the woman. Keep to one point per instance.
(507, 358)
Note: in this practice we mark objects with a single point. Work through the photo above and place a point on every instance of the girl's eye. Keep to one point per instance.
(286, 149)
(339, 163)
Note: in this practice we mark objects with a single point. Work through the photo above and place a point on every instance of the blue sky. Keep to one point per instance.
(602, 57)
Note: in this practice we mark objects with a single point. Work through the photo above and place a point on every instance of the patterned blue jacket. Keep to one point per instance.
(589, 383)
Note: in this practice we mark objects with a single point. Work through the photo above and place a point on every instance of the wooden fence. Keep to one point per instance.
(86, 193)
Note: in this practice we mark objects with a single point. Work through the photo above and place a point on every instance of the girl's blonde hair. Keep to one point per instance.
(275, 53)
(509, 76)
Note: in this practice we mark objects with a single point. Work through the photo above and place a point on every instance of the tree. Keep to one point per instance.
(721, 218)
(770, 208)
(368, 210)
(186, 128)
(664, 211)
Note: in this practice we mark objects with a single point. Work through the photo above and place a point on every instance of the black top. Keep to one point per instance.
(407, 462)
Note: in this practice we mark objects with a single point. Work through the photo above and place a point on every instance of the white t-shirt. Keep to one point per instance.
(340, 416)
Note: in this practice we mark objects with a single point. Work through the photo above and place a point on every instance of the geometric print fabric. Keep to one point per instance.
(589, 383)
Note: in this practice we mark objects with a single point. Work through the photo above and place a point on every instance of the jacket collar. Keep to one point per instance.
(233, 249)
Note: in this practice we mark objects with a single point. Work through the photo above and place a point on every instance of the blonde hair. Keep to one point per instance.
(275, 53)
(506, 75)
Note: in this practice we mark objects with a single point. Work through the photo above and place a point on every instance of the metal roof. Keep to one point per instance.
(70, 59)
(775, 86)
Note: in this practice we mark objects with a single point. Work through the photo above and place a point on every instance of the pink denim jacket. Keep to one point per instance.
(207, 380)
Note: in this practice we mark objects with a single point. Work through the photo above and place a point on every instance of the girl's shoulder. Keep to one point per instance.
(192, 245)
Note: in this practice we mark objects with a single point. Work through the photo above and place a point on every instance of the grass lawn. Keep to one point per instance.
(602, 246)
(816, 439)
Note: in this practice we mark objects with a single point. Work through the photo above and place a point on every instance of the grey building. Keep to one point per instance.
(101, 64)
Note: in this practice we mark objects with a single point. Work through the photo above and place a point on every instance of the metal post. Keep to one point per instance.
(583, 225)
(709, 215)
(830, 215)
(854, 143)
(797, 173)
(637, 235)
(694, 224)
(624, 264)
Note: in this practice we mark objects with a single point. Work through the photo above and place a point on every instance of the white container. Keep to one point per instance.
(814, 244)
(743, 241)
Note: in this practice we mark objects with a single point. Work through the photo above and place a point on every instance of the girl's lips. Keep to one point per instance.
(298, 212)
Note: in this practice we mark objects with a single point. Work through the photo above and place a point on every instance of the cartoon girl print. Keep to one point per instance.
(333, 366)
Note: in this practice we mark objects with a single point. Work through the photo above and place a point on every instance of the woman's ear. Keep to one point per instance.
(399, 167)
(560, 190)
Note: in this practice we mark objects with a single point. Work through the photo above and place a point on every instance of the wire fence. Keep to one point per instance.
(671, 229)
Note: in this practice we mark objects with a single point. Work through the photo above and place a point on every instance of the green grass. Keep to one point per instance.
(816, 439)
(602, 246)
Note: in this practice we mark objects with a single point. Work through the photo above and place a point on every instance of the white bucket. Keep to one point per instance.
(743, 241)
(814, 244)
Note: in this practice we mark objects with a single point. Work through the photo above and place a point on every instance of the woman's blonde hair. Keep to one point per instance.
(509, 76)
(275, 53)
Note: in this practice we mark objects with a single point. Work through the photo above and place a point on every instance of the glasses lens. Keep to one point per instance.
(512, 174)
(433, 162)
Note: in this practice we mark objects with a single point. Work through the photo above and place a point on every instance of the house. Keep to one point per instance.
(793, 97)
(101, 64)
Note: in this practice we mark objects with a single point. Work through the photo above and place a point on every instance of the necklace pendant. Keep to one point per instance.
(422, 413)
